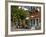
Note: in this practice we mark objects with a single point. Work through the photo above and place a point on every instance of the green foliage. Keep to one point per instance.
(18, 13)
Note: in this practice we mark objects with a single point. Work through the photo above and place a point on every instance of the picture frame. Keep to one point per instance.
(26, 5)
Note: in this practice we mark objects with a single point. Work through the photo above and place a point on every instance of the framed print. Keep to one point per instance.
(25, 18)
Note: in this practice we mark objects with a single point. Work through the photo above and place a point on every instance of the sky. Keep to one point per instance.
(29, 7)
